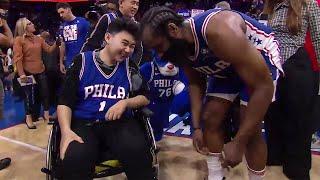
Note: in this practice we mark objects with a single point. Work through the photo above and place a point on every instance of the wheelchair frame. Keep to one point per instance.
(108, 165)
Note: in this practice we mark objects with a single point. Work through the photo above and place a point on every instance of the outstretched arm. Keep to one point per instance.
(6, 38)
(197, 85)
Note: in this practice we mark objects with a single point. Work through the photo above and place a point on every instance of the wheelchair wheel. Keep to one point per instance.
(152, 142)
(52, 154)
(49, 157)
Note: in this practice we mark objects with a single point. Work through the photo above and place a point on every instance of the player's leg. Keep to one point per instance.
(220, 94)
(214, 113)
(256, 151)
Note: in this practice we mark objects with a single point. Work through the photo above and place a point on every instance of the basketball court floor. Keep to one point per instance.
(178, 160)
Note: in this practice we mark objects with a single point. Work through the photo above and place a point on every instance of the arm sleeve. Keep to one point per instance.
(139, 85)
(314, 25)
(18, 55)
(68, 95)
(94, 41)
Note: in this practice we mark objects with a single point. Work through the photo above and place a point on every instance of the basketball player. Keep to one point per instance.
(95, 108)
(240, 56)
(164, 84)
(74, 32)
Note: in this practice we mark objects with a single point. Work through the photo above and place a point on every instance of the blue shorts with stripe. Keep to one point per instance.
(229, 88)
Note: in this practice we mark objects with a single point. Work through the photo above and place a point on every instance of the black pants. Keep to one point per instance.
(31, 93)
(125, 139)
(54, 78)
(289, 121)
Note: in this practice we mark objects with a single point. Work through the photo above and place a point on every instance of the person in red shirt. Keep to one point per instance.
(315, 67)
(310, 49)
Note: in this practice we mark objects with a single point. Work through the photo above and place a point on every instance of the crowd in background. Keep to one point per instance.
(44, 17)
(47, 22)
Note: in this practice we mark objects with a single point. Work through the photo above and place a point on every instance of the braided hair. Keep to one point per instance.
(157, 18)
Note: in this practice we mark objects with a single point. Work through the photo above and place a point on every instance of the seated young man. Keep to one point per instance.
(101, 89)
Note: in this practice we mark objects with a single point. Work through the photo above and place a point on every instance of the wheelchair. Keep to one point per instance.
(108, 166)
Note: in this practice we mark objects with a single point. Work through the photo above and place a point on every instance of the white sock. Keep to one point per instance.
(215, 170)
(256, 175)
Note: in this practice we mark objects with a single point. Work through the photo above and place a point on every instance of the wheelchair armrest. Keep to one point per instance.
(146, 112)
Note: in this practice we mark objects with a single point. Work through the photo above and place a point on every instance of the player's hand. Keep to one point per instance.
(115, 112)
(233, 153)
(198, 142)
(63, 69)
(66, 138)
(24, 78)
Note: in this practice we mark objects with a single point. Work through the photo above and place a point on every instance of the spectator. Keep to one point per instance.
(6, 37)
(290, 123)
(7, 81)
(107, 6)
(315, 66)
(93, 18)
(223, 5)
(6, 40)
(50, 61)
(27, 50)
(112, 6)
(74, 31)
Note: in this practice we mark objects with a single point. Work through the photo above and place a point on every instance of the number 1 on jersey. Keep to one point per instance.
(102, 106)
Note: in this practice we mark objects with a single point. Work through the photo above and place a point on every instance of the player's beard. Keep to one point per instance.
(177, 52)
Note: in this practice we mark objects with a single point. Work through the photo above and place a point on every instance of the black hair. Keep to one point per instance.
(63, 5)
(158, 18)
(114, 2)
(93, 16)
(125, 24)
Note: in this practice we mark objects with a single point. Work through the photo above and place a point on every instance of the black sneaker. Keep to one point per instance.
(4, 163)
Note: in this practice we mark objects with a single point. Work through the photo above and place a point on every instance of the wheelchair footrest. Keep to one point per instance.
(108, 172)
(108, 168)
(46, 171)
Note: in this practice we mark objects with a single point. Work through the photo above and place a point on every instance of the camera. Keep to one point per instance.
(4, 15)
